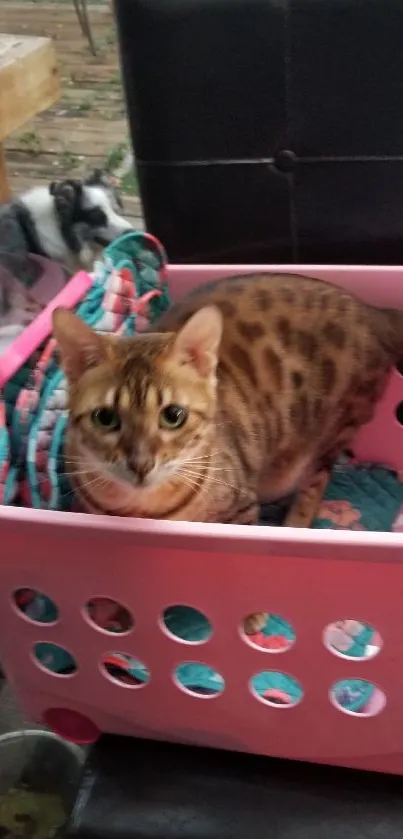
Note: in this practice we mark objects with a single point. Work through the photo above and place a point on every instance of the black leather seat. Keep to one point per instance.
(268, 130)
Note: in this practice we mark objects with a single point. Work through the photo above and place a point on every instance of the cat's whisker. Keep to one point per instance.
(198, 464)
(95, 481)
(205, 490)
(238, 489)
(73, 490)
(214, 480)
(191, 473)
(71, 473)
(193, 476)
(73, 460)
(204, 466)
(205, 456)
(75, 472)
(189, 483)
(186, 481)
(198, 461)
(220, 469)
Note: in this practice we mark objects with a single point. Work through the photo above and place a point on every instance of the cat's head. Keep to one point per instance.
(141, 409)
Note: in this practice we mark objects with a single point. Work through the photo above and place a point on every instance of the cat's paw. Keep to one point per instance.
(86, 257)
(255, 622)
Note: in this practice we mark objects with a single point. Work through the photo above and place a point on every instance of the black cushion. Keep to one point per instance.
(268, 130)
(133, 789)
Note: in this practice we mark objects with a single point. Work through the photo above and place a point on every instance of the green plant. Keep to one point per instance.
(108, 40)
(31, 143)
(129, 184)
(68, 160)
(114, 82)
(84, 105)
(115, 157)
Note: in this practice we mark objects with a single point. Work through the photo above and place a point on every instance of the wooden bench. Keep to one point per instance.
(29, 83)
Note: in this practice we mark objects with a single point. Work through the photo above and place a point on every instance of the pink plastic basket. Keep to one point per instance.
(311, 578)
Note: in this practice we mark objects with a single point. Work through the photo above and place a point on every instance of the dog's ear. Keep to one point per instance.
(69, 185)
(108, 181)
(67, 197)
(68, 188)
(71, 188)
(97, 178)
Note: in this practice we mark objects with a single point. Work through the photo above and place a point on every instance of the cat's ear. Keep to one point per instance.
(79, 346)
(199, 340)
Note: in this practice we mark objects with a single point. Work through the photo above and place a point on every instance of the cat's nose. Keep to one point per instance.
(141, 465)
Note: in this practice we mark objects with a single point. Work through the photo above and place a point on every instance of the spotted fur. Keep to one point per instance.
(276, 372)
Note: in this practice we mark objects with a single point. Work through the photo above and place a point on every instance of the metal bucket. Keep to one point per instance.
(39, 776)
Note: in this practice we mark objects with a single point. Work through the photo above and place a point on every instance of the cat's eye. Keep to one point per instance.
(106, 419)
(173, 416)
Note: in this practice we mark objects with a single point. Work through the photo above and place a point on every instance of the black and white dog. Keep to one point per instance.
(63, 221)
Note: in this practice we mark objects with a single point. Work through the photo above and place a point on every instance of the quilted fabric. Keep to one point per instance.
(360, 497)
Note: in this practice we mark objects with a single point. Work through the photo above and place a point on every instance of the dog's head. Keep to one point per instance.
(94, 203)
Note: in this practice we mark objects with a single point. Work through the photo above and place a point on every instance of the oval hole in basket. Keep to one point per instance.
(71, 725)
(185, 623)
(352, 639)
(357, 697)
(54, 659)
(199, 679)
(268, 632)
(279, 690)
(399, 413)
(109, 615)
(126, 670)
(35, 606)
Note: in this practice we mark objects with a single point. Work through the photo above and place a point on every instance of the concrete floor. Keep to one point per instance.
(11, 717)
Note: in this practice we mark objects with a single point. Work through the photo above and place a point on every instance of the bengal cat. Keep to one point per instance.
(239, 395)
